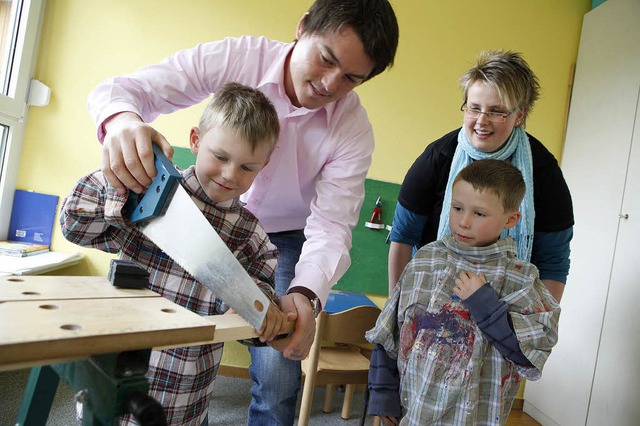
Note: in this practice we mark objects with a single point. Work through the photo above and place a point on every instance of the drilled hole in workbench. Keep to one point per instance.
(168, 311)
(71, 327)
(49, 307)
(31, 293)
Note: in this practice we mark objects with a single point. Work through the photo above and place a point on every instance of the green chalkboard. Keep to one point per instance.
(183, 158)
(368, 272)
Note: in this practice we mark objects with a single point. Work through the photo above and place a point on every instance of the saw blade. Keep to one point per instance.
(186, 236)
(170, 219)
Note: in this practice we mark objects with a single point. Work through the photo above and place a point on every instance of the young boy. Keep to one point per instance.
(236, 135)
(468, 318)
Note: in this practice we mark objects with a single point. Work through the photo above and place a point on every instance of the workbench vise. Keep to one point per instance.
(106, 386)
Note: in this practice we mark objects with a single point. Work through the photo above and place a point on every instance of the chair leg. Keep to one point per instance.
(328, 399)
(306, 401)
(346, 403)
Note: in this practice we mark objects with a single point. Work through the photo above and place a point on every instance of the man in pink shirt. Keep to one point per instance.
(309, 196)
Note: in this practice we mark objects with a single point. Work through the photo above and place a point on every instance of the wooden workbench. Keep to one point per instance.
(50, 319)
(97, 338)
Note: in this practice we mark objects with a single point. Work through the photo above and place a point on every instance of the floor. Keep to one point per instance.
(520, 418)
(229, 407)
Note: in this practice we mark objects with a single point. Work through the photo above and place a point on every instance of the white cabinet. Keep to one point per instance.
(593, 375)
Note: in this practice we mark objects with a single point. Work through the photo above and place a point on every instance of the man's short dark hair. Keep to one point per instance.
(373, 20)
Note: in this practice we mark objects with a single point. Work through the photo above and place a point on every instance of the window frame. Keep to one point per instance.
(14, 107)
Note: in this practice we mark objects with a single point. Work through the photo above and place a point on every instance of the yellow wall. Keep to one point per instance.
(87, 41)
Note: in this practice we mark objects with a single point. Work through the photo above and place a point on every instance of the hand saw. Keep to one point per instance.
(167, 216)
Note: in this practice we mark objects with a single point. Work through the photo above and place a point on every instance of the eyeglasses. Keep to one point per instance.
(493, 116)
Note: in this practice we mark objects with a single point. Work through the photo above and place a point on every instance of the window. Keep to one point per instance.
(8, 24)
(4, 135)
(20, 22)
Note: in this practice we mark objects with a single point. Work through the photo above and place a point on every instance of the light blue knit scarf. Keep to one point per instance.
(518, 149)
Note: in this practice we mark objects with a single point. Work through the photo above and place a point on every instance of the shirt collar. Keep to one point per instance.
(274, 79)
(502, 247)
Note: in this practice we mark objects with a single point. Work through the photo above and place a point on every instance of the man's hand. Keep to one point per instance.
(467, 283)
(127, 155)
(298, 308)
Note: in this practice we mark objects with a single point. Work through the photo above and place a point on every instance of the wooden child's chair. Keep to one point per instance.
(341, 364)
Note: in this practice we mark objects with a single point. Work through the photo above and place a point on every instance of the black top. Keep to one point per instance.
(423, 189)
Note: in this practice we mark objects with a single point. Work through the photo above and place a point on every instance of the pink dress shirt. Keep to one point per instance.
(315, 180)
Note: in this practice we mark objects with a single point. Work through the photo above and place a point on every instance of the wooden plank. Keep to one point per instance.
(234, 371)
(69, 329)
(43, 287)
(51, 319)
(231, 327)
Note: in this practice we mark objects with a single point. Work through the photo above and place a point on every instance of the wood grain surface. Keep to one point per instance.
(47, 319)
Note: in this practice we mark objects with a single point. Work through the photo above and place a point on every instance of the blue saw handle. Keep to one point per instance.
(154, 202)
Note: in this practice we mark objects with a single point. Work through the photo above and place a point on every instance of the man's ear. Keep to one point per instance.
(194, 140)
(512, 219)
(300, 27)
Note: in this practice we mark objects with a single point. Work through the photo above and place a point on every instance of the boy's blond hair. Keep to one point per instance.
(245, 110)
(500, 177)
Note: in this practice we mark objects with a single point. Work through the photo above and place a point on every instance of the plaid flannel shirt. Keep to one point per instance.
(181, 379)
(449, 373)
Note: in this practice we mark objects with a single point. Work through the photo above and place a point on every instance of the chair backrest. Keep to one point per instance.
(348, 326)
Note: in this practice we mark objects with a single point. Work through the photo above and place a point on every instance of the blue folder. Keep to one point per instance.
(32, 217)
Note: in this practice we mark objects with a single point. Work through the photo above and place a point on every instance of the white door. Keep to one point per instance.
(615, 399)
(592, 374)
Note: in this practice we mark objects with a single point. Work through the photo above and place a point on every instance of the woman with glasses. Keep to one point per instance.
(498, 93)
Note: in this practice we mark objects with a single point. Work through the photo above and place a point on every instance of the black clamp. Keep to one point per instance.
(127, 274)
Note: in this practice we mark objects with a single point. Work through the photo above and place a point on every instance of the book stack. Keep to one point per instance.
(31, 224)
(15, 248)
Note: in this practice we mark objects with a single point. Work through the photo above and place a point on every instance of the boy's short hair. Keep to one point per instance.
(373, 20)
(498, 176)
(243, 109)
(509, 74)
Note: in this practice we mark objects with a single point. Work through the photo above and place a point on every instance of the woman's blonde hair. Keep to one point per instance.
(509, 74)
